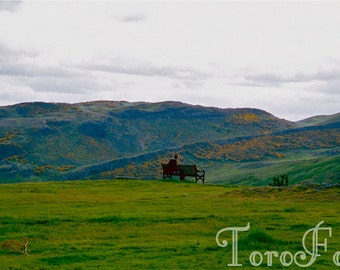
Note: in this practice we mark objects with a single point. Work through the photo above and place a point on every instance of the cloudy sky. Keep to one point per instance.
(283, 57)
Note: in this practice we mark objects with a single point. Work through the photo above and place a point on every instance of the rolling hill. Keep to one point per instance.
(114, 139)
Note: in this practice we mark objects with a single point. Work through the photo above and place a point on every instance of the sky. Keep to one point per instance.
(278, 56)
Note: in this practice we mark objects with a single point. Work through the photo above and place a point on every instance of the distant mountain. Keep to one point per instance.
(320, 120)
(112, 139)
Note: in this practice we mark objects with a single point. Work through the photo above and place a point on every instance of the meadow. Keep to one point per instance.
(133, 224)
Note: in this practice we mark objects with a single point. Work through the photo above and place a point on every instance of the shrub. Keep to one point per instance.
(280, 181)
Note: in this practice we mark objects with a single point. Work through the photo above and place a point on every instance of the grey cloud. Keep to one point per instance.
(185, 76)
(14, 62)
(26, 64)
(132, 18)
(149, 70)
(9, 5)
(6, 52)
(323, 76)
(332, 88)
(25, 69)
(76, 85)
(266, 79)
(274, 79)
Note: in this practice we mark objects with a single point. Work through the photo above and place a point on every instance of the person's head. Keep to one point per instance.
(176, 156)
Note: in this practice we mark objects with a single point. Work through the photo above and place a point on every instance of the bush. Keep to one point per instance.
(280, 181)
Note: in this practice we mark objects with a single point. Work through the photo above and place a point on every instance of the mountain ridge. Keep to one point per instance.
(107, 139)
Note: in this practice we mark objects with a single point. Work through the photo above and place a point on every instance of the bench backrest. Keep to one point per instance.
(188, 170)
(167, 169)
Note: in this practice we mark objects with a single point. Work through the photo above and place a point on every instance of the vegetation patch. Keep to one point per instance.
(128, 224)
(258, 239)
(95, 140)
(68, 259)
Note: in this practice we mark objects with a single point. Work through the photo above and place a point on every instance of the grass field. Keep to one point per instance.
(303, 167)
(131, 224)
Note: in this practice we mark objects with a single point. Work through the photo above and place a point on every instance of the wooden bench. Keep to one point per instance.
(183, 171)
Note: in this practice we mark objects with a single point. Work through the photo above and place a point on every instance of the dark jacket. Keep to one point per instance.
(172, 165)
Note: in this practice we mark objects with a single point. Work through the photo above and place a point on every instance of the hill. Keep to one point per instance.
(110, 139)
(319, 120)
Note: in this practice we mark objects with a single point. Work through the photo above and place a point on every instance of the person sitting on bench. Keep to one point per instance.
(172, 165)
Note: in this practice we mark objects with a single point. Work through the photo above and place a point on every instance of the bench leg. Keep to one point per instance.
(167, 176)
(200, 178)
(200, 175)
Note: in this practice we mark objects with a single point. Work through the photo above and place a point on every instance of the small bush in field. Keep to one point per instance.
(280, 181)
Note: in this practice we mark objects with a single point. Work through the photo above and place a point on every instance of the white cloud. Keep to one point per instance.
(278, 56)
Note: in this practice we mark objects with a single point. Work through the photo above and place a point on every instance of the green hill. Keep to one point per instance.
(320, 120)
(111, 139)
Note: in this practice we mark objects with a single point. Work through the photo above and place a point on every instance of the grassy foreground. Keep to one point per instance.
(122, 224)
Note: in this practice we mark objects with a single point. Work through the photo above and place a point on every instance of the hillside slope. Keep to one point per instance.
(108, 139)
(319, 120)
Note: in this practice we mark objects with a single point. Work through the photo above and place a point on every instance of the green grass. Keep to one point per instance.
(307, 167)
(131, 224)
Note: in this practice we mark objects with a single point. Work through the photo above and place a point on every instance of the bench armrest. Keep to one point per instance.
(201, 171)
